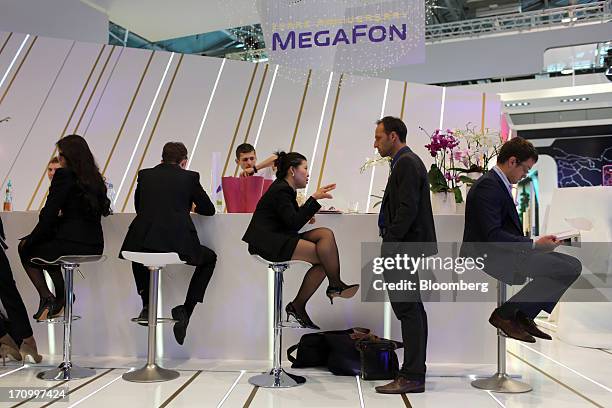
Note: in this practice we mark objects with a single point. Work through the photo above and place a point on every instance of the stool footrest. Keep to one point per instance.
(58, 320)
(160, 320)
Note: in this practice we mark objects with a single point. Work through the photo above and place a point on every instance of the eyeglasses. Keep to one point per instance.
(525, 167)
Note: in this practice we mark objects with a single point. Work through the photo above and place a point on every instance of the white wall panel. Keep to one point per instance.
(281, 116)
(113, 106)
(223, 118)
(359, 106)
(129, 145)
(181, 121)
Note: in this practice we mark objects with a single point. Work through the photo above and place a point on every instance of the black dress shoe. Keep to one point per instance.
(143, 317)
(302, 318)
(510, 327)
(530, 327)
(180, 327)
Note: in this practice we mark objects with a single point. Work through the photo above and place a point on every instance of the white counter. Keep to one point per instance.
(233, 322)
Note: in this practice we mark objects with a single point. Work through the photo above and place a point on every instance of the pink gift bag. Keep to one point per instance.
(242, 193)
(251, 191)
(266, 185)
(231, 194)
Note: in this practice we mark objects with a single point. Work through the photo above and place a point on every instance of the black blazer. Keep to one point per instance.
(491, 217)
(77, 223)
(406, 204)
(274, 227)
(163, 199)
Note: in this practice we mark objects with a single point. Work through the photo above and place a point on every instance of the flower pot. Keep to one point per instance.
(460, 208)
(443, 203)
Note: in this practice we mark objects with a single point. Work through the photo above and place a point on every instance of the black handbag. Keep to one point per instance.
(378, 360)
(313, 349)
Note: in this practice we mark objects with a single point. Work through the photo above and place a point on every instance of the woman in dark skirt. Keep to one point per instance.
(69, 223)
(274, 234)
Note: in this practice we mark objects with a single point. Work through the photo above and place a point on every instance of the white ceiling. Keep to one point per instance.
(158, 20)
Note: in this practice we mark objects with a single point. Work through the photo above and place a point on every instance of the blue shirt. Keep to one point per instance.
(381, 216)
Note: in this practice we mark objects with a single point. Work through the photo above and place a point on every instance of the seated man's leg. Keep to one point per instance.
(200, 279)
(552, 274)
(142, 278)
(195, 294)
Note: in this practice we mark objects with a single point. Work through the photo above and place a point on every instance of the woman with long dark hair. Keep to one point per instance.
(69, 223)
(274, 234)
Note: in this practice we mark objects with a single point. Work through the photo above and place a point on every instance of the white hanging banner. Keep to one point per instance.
(344, 35)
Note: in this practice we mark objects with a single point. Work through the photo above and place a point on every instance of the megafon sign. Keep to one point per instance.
(344, 35)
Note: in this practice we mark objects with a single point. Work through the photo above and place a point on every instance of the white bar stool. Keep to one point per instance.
(155, 262)
(277, 377)
(66, 370)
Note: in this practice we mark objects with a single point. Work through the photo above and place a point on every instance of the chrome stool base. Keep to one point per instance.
(66, 372)
(151, 373)
(502, 383)
(277, 379)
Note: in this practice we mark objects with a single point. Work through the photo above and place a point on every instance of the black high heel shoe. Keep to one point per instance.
(302, 319)
(346, 291)
(47, 308)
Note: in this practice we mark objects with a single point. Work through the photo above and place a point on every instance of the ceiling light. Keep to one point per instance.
(515, 104)
(567, 71)
(577, 99)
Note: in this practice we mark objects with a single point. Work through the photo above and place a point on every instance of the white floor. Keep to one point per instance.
(561, 376)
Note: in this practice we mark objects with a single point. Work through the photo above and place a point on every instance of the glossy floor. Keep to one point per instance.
(561, 376)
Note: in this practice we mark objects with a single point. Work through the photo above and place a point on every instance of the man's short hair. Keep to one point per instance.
(174, 152)
(518, 147)
(393, 124)
(54, 160)
(244, 148)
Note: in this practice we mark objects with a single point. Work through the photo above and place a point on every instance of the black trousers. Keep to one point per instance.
(413, 318)
(409, 310)
(18, 325)
(552, 274)
(197, 286)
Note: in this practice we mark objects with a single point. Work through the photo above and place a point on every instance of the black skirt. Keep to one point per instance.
(280, 254)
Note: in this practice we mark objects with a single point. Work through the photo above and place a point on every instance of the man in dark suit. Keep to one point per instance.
(492, 226)
(406, 217)
(164, 197)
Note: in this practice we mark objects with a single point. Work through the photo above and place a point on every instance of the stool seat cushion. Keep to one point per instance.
(157, 259)
(288, 263)
(70, 259)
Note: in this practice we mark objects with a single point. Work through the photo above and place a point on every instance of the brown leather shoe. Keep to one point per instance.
(402, 385)
(510, 327)
(530, 327)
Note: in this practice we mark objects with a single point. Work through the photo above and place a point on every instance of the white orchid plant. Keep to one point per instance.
(377, 160)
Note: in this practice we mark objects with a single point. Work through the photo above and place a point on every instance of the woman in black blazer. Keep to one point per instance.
(274, 234)
(68, 224)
